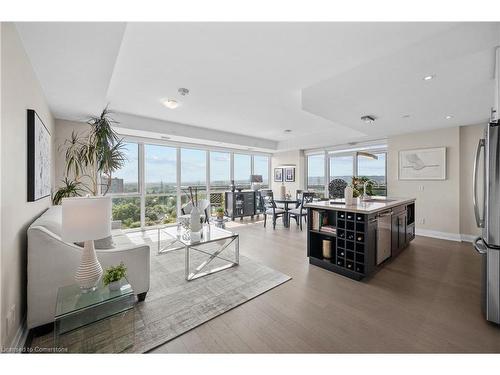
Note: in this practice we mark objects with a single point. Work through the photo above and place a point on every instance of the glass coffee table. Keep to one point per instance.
(101, 321)
(218, 249)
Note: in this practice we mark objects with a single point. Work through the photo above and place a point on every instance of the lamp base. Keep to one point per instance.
(89, 271)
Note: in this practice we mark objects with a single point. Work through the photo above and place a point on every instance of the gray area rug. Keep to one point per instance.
(174, 306)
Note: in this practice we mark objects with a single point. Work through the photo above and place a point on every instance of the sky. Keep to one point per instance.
(161, 165)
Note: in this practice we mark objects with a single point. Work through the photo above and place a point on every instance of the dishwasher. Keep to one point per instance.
(384, 221)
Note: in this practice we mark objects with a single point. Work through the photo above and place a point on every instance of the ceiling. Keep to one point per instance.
(258, 79)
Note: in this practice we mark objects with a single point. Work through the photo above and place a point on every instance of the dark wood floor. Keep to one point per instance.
(425, 300)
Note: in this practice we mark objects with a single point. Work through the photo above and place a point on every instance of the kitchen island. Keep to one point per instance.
(354, 240)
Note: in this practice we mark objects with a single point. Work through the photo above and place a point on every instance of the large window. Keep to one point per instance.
(160, 181)
(220, 170)
(374, 169)
(342, 167)
(150, 188)
(194, 171)
(316, 173)
(126, 179)
(261, 167)
(361, 163)
(242, 170)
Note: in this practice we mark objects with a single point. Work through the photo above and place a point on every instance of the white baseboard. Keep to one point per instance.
(468, 237)
(445, 235)
(436, 234)
(19, 340)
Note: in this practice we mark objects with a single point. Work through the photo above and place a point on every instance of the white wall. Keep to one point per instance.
(445, 206)
(288, 157)
(20, 90)
(63, 130)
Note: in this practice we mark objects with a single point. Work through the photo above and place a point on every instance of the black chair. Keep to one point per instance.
(336, 188)
(267, 201)
(298, 196)
(301, 211)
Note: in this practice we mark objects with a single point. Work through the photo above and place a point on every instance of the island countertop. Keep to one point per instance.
(369, 206)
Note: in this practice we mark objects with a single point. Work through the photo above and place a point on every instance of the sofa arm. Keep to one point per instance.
(137, 261)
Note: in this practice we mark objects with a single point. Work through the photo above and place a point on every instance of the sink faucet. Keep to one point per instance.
(364, 188)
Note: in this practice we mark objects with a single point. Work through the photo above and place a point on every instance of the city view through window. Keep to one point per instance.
(344, 167)
(158, 193)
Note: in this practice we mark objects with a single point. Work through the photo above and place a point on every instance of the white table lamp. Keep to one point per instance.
(86, 219)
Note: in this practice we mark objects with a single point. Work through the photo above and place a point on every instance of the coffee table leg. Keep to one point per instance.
(187, 263)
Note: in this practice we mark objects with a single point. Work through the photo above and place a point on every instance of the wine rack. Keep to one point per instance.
(351, 236)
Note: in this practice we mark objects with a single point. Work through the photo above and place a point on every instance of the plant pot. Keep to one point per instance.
(115, 285)
(219, 215)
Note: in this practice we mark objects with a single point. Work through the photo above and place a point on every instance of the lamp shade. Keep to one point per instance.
(85, 219)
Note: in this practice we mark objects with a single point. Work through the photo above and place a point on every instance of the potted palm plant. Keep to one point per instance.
(91, 159)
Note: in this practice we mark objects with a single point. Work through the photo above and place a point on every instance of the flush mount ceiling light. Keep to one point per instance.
(429, 77)
(448, 117)
(368, 119)
(171, 103)
(405, 116)
(287, 131)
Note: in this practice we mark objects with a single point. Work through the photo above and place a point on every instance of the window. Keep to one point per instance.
(160, 174)
(126, 179)
(341, 167)
(220, 170)
(128, 211)
(374, 169)
(261, 167)
(193, 172)
(316, 173)
(242, 170)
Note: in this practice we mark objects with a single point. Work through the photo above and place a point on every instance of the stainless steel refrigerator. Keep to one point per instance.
(487, 212)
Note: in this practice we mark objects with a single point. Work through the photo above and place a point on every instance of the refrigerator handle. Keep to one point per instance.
(479, 246)
(479, 221)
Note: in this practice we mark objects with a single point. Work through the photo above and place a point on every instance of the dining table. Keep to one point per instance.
(286, 202)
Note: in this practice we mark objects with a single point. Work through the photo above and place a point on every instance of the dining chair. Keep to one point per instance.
(301, 211)
(298, 196)
(267, 199)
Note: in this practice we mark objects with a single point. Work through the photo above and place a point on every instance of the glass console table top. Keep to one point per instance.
(70, 299)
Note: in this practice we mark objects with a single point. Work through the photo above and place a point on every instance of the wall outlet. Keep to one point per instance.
(421, 220)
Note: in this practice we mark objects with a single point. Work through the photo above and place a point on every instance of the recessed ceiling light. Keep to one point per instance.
(287, 131)
(429, 77)
(405, 116)
(171, 103)
(165, 137)
(449, 117)
(183, 91)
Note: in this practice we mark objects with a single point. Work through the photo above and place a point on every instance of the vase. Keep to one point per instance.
(195, 220)
(115, 285)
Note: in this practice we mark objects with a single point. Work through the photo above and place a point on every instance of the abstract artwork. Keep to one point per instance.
(423, 164)
(38, 158)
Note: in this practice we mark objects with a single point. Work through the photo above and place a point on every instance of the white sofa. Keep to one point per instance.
(52, 263)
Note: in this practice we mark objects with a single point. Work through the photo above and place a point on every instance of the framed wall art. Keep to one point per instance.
(38, 158)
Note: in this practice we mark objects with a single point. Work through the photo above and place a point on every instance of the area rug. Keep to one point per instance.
(174, 306)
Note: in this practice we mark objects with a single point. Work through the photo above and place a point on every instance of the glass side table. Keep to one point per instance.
(101, 321)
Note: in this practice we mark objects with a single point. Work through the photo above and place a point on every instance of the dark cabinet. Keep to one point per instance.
(399, 238)
(240, 203)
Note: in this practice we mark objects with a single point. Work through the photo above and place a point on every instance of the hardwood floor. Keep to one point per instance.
(425, 300)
